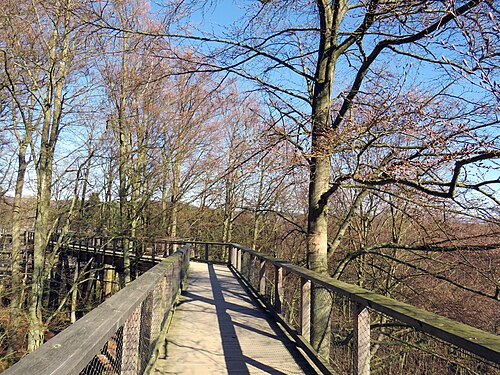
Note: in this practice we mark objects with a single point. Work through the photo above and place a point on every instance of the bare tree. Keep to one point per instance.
(38, 61)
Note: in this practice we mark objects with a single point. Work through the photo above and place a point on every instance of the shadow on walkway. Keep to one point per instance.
(236, 361)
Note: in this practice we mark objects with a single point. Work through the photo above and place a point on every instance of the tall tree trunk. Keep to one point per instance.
(229, 201)
(16, 251)
(107, 209)
(42, 231)
(124, 148)
(74, 292)
(52, 112)
(174, 199)
(17, 280)
(227, 227)
(317, 234)
(164, 207)
(317, 244)
(257, 218)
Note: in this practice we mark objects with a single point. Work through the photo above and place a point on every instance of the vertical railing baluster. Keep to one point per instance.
(278, 288)
(262, 278)
(238, 260)
(305, 308)
(361, 352)
(246, 265)
(230, 257)
(251, 267)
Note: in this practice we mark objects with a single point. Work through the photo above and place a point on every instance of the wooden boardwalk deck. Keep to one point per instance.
(218, 329)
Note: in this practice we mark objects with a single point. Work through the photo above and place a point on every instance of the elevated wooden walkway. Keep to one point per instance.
(218, 328)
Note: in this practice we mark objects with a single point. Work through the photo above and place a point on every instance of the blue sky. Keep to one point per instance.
(218, 15)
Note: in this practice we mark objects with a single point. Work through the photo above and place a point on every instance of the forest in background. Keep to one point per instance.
(358, 139)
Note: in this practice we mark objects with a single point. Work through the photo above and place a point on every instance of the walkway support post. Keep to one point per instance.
(361, 352)
(262, 277)
(238, 260)
(109, 279)
(305, 308)
(230, 258)
(278, 288)
(252, 272)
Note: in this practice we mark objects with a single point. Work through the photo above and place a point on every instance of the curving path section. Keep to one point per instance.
(218, 329)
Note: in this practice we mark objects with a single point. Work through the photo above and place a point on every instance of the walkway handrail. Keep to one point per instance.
(122, 334)
(473, 340)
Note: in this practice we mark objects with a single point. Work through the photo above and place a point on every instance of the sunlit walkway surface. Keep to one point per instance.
(219, 329)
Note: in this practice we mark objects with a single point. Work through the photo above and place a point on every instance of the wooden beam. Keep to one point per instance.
(361, 350)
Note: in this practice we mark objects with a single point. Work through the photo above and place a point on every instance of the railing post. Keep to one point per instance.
(206, 252)
(230, 260)
(361, 352)
(247, 268)
(278, 288)
(130, 343)
(305, 308)
(251, 273)
(238, 260)
(108, 280)
(262, 278)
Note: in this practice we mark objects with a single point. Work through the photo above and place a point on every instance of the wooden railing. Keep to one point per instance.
(369, 330)
(119, 336)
